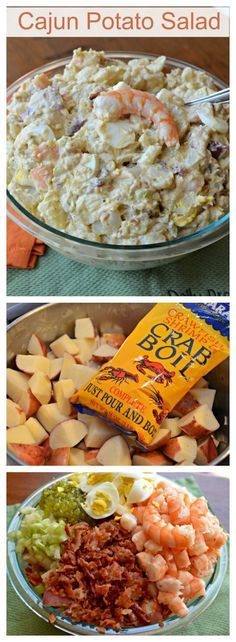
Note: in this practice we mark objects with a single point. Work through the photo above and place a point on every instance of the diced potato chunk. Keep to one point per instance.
(84, 329)
(181, 448)
(104, 353)
(33, 363)
(49, 416)
(63, 390)
(114, 452)
(68, 433)
(155, 458)
(17, 384)
(37, 431)
(15, 415)
(98, 432)
(76, 457)
(199, 423)
(36, 346)
(204, 396)
(63, 344)
(86, 347)
(20, 435)
(40, 386)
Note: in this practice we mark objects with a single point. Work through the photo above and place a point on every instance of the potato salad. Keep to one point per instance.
(108, 151)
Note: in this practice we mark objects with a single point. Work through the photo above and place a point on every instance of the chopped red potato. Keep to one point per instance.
(43, 426)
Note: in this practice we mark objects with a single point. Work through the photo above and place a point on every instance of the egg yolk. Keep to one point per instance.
(101, 504)
(126, 486)
(96, 478)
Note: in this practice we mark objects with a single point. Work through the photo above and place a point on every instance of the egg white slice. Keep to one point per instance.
(102, 501)
(137, 475)
(141, 490)
(89, 481)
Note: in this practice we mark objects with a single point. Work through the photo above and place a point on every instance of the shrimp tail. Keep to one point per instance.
(124, 100)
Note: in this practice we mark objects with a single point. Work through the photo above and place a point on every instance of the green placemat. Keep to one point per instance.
(215, 620)
(201, 273)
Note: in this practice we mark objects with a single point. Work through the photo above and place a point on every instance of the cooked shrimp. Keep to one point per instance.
(215, 538)
(155, 567)
(166, 534)
(46, 151)
(41, 177)
(207, 524)
(164, 486)
(199, 507)
(181, 559)
(174, 602)
(199, 545)
(41, 81)
(178, 542)
(138, 512)
(151, 547)
(201, 566)
(199, 515)
(172, 568)
(139, 540)
(160, 502)
(152, 609)
(185, 577)
(213, 554)
(178, 511)
(170, 584)
(192, 587)
(123, 100)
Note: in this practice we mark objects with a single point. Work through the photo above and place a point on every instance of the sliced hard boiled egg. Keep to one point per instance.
(141, 490)
(90, 480)
(102, 501)
(125, 484)
(118, 134)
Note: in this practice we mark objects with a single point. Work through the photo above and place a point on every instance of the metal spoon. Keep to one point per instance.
(221, 96)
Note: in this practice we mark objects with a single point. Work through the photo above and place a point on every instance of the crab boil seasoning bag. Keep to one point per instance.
(168, 352)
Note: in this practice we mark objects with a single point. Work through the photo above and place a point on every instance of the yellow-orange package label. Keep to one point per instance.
(170, 349)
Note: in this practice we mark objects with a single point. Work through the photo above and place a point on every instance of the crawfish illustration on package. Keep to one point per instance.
(170, 349)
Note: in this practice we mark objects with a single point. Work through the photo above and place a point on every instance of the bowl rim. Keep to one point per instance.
(35, 604)
(201, 233)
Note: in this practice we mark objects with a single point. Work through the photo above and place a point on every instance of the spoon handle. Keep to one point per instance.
(221, 96)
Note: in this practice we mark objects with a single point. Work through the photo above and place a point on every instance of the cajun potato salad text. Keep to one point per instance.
(107, 151)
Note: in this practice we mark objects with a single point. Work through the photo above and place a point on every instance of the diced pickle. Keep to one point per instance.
(63, 500)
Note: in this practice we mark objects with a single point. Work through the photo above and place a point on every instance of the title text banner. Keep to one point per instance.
(118, 21)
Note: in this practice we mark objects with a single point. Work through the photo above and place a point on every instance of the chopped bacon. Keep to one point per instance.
(49, 599)
(33, 575)
(99, 581)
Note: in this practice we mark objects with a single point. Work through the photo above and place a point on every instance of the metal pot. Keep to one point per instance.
(51, 320)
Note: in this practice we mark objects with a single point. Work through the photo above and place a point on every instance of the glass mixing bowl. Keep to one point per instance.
(113, 257)
(31, 599)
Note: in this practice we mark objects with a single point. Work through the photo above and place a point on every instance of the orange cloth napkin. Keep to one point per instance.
(23, 249)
